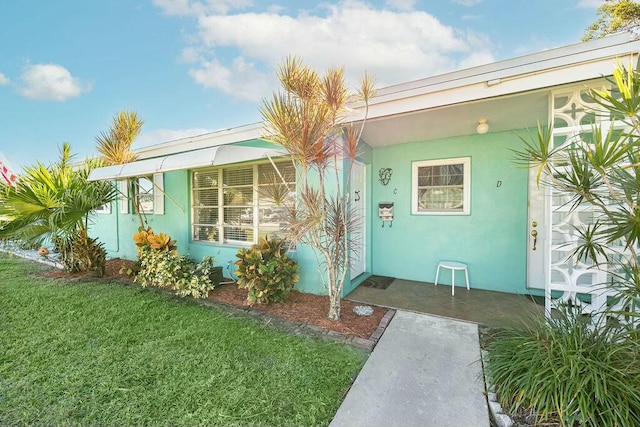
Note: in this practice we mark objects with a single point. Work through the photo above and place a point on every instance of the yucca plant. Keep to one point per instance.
(306, 119)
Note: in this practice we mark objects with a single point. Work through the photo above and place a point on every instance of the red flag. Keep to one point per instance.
(7, 174)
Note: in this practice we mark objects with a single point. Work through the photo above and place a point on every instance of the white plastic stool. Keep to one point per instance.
(453, 266)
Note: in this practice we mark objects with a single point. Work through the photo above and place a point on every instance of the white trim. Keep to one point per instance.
(213, 156)
(541, 70)
(243, 133)
(158, 194)
(554, 67)
(124, 196)
(466, 185)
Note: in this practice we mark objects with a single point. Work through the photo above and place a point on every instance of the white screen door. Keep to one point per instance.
(537, 234)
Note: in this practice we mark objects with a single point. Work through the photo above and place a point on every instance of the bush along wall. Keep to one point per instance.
(266, 271)
(161, 266)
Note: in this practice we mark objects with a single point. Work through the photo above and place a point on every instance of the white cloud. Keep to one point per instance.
(50, 82)
(590, 4)
(467, 2)
(395, 46)
(239, 79)
(4, 80)
(405, 5)
(190, 7)
(191, 55)
(158, 136)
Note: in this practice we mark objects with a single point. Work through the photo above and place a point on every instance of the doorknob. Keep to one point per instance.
(534, 234)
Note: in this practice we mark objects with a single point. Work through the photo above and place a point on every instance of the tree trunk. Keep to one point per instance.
(334, 306)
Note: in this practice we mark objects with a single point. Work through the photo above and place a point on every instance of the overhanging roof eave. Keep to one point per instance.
(212, 156)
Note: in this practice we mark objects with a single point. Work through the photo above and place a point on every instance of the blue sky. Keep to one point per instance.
(189, 67)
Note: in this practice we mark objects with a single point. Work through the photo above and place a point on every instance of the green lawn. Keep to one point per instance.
(113, 354)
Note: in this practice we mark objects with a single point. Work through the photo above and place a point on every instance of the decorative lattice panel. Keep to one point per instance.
(573, 117)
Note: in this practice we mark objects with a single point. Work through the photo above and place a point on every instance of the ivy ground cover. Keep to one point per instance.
(113, 354)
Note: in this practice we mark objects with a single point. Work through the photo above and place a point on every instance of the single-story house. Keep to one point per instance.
(436, 179)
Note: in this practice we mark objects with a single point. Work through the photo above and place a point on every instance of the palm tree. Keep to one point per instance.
(306, 119)
(115, 145)
(55, 203)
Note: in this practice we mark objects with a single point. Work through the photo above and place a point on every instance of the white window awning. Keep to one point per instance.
(214, 156)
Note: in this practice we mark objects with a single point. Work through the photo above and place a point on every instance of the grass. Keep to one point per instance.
(114, 354)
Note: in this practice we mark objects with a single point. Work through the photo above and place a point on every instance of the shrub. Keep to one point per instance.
(79, 252)
(266, 271)
(569, 369)
(160, 242)
(160, 265)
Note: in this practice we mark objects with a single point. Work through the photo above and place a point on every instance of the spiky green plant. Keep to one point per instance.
(569, 370)
(54, 203)
(566, 367)
(602, 171)
(114, 146)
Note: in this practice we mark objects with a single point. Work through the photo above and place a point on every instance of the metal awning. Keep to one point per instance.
(214, 156)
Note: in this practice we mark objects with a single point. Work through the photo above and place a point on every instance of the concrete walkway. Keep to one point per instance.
(424, 371)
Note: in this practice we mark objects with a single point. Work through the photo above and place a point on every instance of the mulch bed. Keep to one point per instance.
(299, 307)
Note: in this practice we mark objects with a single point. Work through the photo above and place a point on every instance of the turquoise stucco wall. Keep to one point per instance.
(491, 240)
(116, 231)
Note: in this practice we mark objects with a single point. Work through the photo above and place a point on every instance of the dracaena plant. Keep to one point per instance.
(307, 119)
(601, 171)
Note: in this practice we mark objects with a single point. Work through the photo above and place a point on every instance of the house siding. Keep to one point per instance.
(116, 230)
(491, 240)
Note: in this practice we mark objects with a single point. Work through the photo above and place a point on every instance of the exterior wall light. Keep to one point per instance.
(483, 126)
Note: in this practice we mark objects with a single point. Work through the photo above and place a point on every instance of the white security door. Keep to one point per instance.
(359, 208)
(537, 231)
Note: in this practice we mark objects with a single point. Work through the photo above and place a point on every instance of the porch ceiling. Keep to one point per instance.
(503, 113)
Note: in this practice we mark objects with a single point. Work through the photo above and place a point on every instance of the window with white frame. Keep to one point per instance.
(238, 204)
(104, 209)
(143, 193)
(441, 187)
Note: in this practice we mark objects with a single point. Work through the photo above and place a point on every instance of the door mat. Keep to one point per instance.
(378, 282)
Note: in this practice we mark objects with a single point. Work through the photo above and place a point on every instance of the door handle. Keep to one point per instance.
(534, 234)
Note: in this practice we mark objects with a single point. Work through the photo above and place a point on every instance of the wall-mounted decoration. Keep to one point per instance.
(384, 175)
(385, 212)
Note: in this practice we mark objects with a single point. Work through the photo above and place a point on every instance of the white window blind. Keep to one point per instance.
(242, 208)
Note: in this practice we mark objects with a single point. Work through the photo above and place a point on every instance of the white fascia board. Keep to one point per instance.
(212, 156)
(213, 139)
(577, 58)
(482, 90)
(614, 46)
